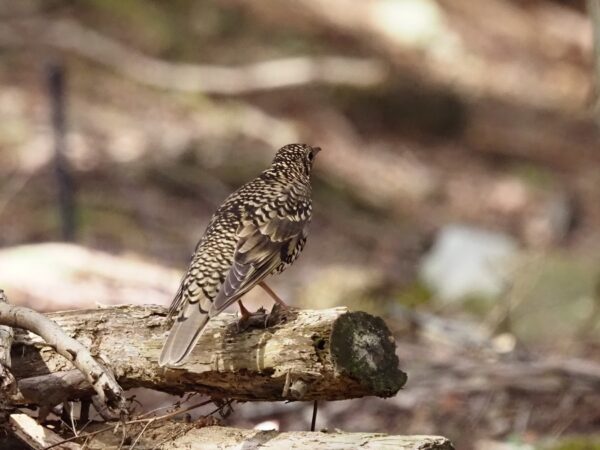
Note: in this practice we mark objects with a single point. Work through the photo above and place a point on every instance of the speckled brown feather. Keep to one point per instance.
(259, 230)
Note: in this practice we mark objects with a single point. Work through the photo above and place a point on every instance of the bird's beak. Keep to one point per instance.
(316, 150)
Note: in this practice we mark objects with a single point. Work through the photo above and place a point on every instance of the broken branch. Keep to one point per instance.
(99, 377)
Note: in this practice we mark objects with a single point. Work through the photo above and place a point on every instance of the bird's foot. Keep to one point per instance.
(263, 319)
(248, 320)
(279, 313)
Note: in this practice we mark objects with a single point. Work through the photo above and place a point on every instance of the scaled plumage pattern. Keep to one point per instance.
(259, 230)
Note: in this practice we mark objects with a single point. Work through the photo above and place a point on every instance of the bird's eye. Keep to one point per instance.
(311, 156)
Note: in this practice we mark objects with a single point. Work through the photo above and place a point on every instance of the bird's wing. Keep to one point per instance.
(260, 249)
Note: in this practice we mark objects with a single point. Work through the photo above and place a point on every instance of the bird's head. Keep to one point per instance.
(296, 158)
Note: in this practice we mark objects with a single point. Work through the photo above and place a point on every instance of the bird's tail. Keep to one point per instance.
(183, 336)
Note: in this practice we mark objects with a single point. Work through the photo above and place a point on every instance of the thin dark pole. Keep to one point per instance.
(66, 189)
(314, 416)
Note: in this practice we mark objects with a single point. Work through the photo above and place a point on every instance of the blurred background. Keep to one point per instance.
(457, 194)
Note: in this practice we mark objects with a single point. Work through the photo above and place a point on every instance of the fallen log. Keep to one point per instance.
(304, 355)
(176, 435)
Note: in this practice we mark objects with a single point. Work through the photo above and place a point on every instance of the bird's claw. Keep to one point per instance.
(257, 319)
(261, 318)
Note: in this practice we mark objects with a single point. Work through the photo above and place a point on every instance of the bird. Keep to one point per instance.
(258, 231)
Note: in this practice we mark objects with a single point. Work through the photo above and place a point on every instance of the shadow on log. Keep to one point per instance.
(327, 354)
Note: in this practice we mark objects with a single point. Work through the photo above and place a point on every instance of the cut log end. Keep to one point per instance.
(363, 348)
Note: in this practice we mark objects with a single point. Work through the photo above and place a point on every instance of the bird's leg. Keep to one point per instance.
(243, 311)
(272, 294)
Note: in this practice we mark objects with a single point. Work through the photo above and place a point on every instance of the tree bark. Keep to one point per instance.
(306, 355)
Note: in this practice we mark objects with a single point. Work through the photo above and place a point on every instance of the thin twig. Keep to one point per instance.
(123, 436)
(72, 418)
(182, 432)
(171, 437)
(140, 434)
(174, 413)
(187, 397)
(148, 419)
